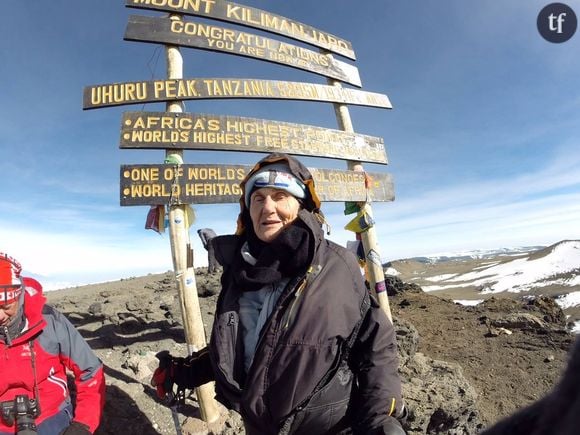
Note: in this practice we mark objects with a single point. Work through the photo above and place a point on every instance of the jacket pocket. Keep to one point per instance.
(326, 411)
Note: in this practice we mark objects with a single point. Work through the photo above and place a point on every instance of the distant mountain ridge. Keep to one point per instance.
(472, 277)
(477, 254)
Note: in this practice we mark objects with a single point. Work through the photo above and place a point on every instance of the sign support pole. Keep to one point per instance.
(375, 271)
(183, 261)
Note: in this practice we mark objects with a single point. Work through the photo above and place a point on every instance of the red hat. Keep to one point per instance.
(10, 283)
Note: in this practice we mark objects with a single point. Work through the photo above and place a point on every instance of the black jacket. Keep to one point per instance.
(326, 359)
(301, 381)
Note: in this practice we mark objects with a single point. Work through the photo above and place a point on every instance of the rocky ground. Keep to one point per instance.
(462, 367)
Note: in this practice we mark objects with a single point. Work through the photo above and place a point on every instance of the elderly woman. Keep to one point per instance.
(298, 346)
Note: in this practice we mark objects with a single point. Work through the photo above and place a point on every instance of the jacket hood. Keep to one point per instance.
(34, 301)
(311, 202)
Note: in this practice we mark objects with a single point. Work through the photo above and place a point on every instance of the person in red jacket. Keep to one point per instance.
(38, 345)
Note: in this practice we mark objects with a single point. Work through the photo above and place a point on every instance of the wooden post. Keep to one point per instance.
(376, 275)
(183, 260)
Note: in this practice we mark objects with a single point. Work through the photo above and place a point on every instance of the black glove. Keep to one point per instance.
(171, 371)
(76, 428)
(189, 372)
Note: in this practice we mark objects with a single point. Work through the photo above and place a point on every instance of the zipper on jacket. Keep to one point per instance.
(7, 336)
(289, 314)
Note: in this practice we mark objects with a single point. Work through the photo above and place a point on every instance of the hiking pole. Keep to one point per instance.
(174, 407)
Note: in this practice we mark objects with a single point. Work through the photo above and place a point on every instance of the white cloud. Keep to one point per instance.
(85, 257)
(537, 207)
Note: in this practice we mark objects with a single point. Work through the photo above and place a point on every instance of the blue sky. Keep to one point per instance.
(482, 140)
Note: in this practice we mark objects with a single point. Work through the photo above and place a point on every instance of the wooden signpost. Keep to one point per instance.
(251, 17)
(117, 94)
(177, 185)
(163, 130)
(182, 256)
(211, 184)
(374, 267)
(208, 37)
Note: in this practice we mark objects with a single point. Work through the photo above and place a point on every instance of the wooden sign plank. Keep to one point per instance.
(214, 184)
(117, 94)
(209, 37)
(250, 17)
(165, 130)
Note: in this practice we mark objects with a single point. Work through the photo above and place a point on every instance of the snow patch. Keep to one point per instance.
(569, 300)
(522, 274)
(443, 277)
(432, 288)
(467, 302)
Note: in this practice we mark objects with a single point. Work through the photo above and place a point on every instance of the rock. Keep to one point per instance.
(207, 287)
(495, 332)
(396, 286)
(95, 308)
(227, 423)
(505, 331)
(439, 398)
(407, 340)
(549, 310)
(132, 306)
(525, 321)
(143, 364)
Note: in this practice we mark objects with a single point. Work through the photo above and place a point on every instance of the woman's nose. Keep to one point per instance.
(269, 204)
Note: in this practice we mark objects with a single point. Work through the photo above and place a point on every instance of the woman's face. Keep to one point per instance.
(271, 210)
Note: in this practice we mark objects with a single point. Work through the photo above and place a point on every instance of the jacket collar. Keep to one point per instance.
(34, 301)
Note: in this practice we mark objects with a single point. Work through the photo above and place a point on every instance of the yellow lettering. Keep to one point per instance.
(118, 93)
(157, 88)
(139, 123)
(233, 12)
(143, 174)
(213, 124)
(188, 88)
(170, 88)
